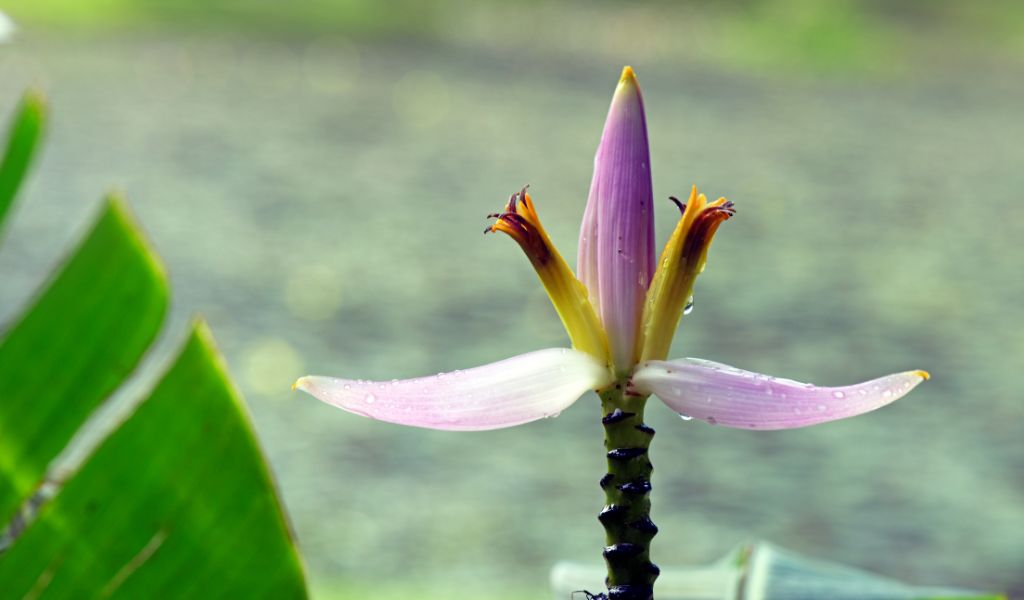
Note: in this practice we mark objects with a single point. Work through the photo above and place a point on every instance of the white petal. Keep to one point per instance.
(724, 395)
(510, 392)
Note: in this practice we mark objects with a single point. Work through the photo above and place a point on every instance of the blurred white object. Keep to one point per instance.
(7, 28)
(761, 571)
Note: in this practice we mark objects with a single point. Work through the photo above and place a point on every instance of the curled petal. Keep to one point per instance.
(510, 392)
(724, 395)
(616, 251)
(520, 221)
(681, 262)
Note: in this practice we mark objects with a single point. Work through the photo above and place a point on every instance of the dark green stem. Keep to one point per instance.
(626, 515)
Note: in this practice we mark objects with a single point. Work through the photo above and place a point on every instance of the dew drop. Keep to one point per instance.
(347, 386)
(887, 394)
(686, 417)
(394, 382)
(838, 394)
(821, 408)
(370, 399)
(689, 306)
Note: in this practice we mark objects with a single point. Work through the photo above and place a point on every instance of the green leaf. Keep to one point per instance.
(177, 503)
(22, 141)
(72, 349)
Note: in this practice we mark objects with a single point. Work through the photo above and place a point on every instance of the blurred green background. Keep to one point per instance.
(316, 174)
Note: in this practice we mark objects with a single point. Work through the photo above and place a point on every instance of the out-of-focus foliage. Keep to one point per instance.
(782, 34)
(66, 355)
(21, 145)
(177, 501)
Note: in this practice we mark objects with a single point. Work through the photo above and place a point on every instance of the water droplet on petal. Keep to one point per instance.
(821, 408)
(370, 399)
(686, 417)
(838, 394)
(689, 306)
(347, 386)
(887, 394)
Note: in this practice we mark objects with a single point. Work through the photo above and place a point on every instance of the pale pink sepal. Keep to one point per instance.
(724, 395)
(510, 392)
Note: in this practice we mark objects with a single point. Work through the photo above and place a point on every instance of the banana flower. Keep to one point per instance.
(620, 314)
(620, 310)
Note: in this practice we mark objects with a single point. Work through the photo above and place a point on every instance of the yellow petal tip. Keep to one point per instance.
(299, 384)
(627, 75)
(925, 375)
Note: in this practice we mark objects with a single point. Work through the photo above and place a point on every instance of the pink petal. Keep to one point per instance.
(616, 251)
(510, 392)
(724, 395)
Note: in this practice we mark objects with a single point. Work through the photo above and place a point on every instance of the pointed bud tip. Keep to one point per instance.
(300, 384)
(627, 81)
(925, 375)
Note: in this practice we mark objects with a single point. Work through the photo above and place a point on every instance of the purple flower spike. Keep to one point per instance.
(616, 251)
(724, 395)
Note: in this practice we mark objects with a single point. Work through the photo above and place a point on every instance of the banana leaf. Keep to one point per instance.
(177, 501)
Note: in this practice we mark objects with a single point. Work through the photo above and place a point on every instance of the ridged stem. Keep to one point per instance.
(627, 485)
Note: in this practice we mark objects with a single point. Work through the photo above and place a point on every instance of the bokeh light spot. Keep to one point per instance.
(270, 365)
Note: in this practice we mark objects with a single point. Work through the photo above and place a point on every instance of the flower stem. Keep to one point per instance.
(626, 515)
